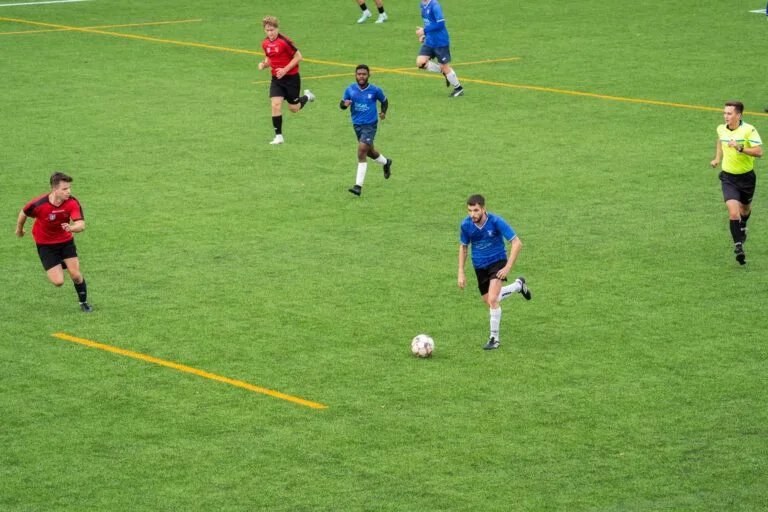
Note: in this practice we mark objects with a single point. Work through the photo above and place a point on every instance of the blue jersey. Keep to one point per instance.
(487, 240)
(434, 24)
(363, 105)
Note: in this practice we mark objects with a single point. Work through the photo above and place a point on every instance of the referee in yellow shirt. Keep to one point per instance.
(737, 146)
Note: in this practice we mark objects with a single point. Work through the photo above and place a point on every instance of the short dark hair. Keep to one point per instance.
(476, 199)
(363, 66)
(739, 106)
(58, 177)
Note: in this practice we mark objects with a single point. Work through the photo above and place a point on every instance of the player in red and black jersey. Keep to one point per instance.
(282, 56)
(57, 215)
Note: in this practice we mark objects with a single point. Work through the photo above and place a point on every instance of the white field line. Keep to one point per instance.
(40, 3)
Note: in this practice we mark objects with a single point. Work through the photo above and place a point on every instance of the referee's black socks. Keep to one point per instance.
(82, 291)
(736, 232)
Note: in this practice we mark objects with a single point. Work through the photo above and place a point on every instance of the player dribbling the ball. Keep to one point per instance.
(486, 233)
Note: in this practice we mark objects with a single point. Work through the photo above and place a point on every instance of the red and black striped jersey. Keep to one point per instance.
(280, 52)
(49, 218)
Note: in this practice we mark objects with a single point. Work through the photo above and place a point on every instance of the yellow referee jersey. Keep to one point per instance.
(746, 135)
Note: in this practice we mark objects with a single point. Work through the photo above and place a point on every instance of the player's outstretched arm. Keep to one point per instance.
(20, 224)
(718, 154)
(462, 280)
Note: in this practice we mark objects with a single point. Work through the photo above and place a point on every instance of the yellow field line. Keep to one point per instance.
(102, 26)
(410, 73)
(577, 93)
(131, 36)
(336, 75)
(189, 369)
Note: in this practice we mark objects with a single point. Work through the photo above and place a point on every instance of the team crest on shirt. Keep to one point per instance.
(51, 216)
(370, 96)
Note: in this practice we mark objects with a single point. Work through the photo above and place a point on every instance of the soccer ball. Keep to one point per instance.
(422, 345)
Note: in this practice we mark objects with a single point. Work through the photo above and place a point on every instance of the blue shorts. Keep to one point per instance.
(366, 132)
(442, 54)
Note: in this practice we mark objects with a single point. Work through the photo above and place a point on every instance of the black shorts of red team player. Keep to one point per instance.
(740, 187)
(55, 254)
(485, 274)
(289, 87)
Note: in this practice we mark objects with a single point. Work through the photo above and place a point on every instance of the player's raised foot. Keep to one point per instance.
(357, 190)
(85, 307)
(364, 17)
(740, 256)
(309, 94)
(277, 140)
(492, 344)
(458, 91)
(524, 291)
(382, 18)
(387, 169)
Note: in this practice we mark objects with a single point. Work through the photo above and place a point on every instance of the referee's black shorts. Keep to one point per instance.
(740, 187)
(485, 274)
(55, 254)
(288, 87)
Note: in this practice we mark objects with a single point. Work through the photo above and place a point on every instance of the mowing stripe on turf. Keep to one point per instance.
(49, 30)
(189, 369)
(41, 3)
(389, 70)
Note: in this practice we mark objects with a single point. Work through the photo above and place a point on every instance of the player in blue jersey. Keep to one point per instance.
(486, 233)
(361, 98)
(436, 45)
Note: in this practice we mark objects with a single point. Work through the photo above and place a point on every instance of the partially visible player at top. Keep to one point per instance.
(282, 56)
(486, 233)
(436, 45)
(57, 215)
(737, 146)
(367, 14)
(361, 97)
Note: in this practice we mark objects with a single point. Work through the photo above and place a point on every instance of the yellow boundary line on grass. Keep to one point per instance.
(189, 369)
(397, 70)
(391, 70)
(50, 30)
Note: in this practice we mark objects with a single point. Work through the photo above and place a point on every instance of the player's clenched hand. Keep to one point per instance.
(280, 72)
(382, 115)
(20, 233)
(347, 103)
(462, 281)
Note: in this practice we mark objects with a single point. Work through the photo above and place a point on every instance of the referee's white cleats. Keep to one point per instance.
(365, 16)
(310, 96)
(382, 18)
(277, 140)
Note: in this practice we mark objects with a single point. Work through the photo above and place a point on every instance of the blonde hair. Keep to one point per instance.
(271, 21)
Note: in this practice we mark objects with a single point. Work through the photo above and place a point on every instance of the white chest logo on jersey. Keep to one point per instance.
(51, 216)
